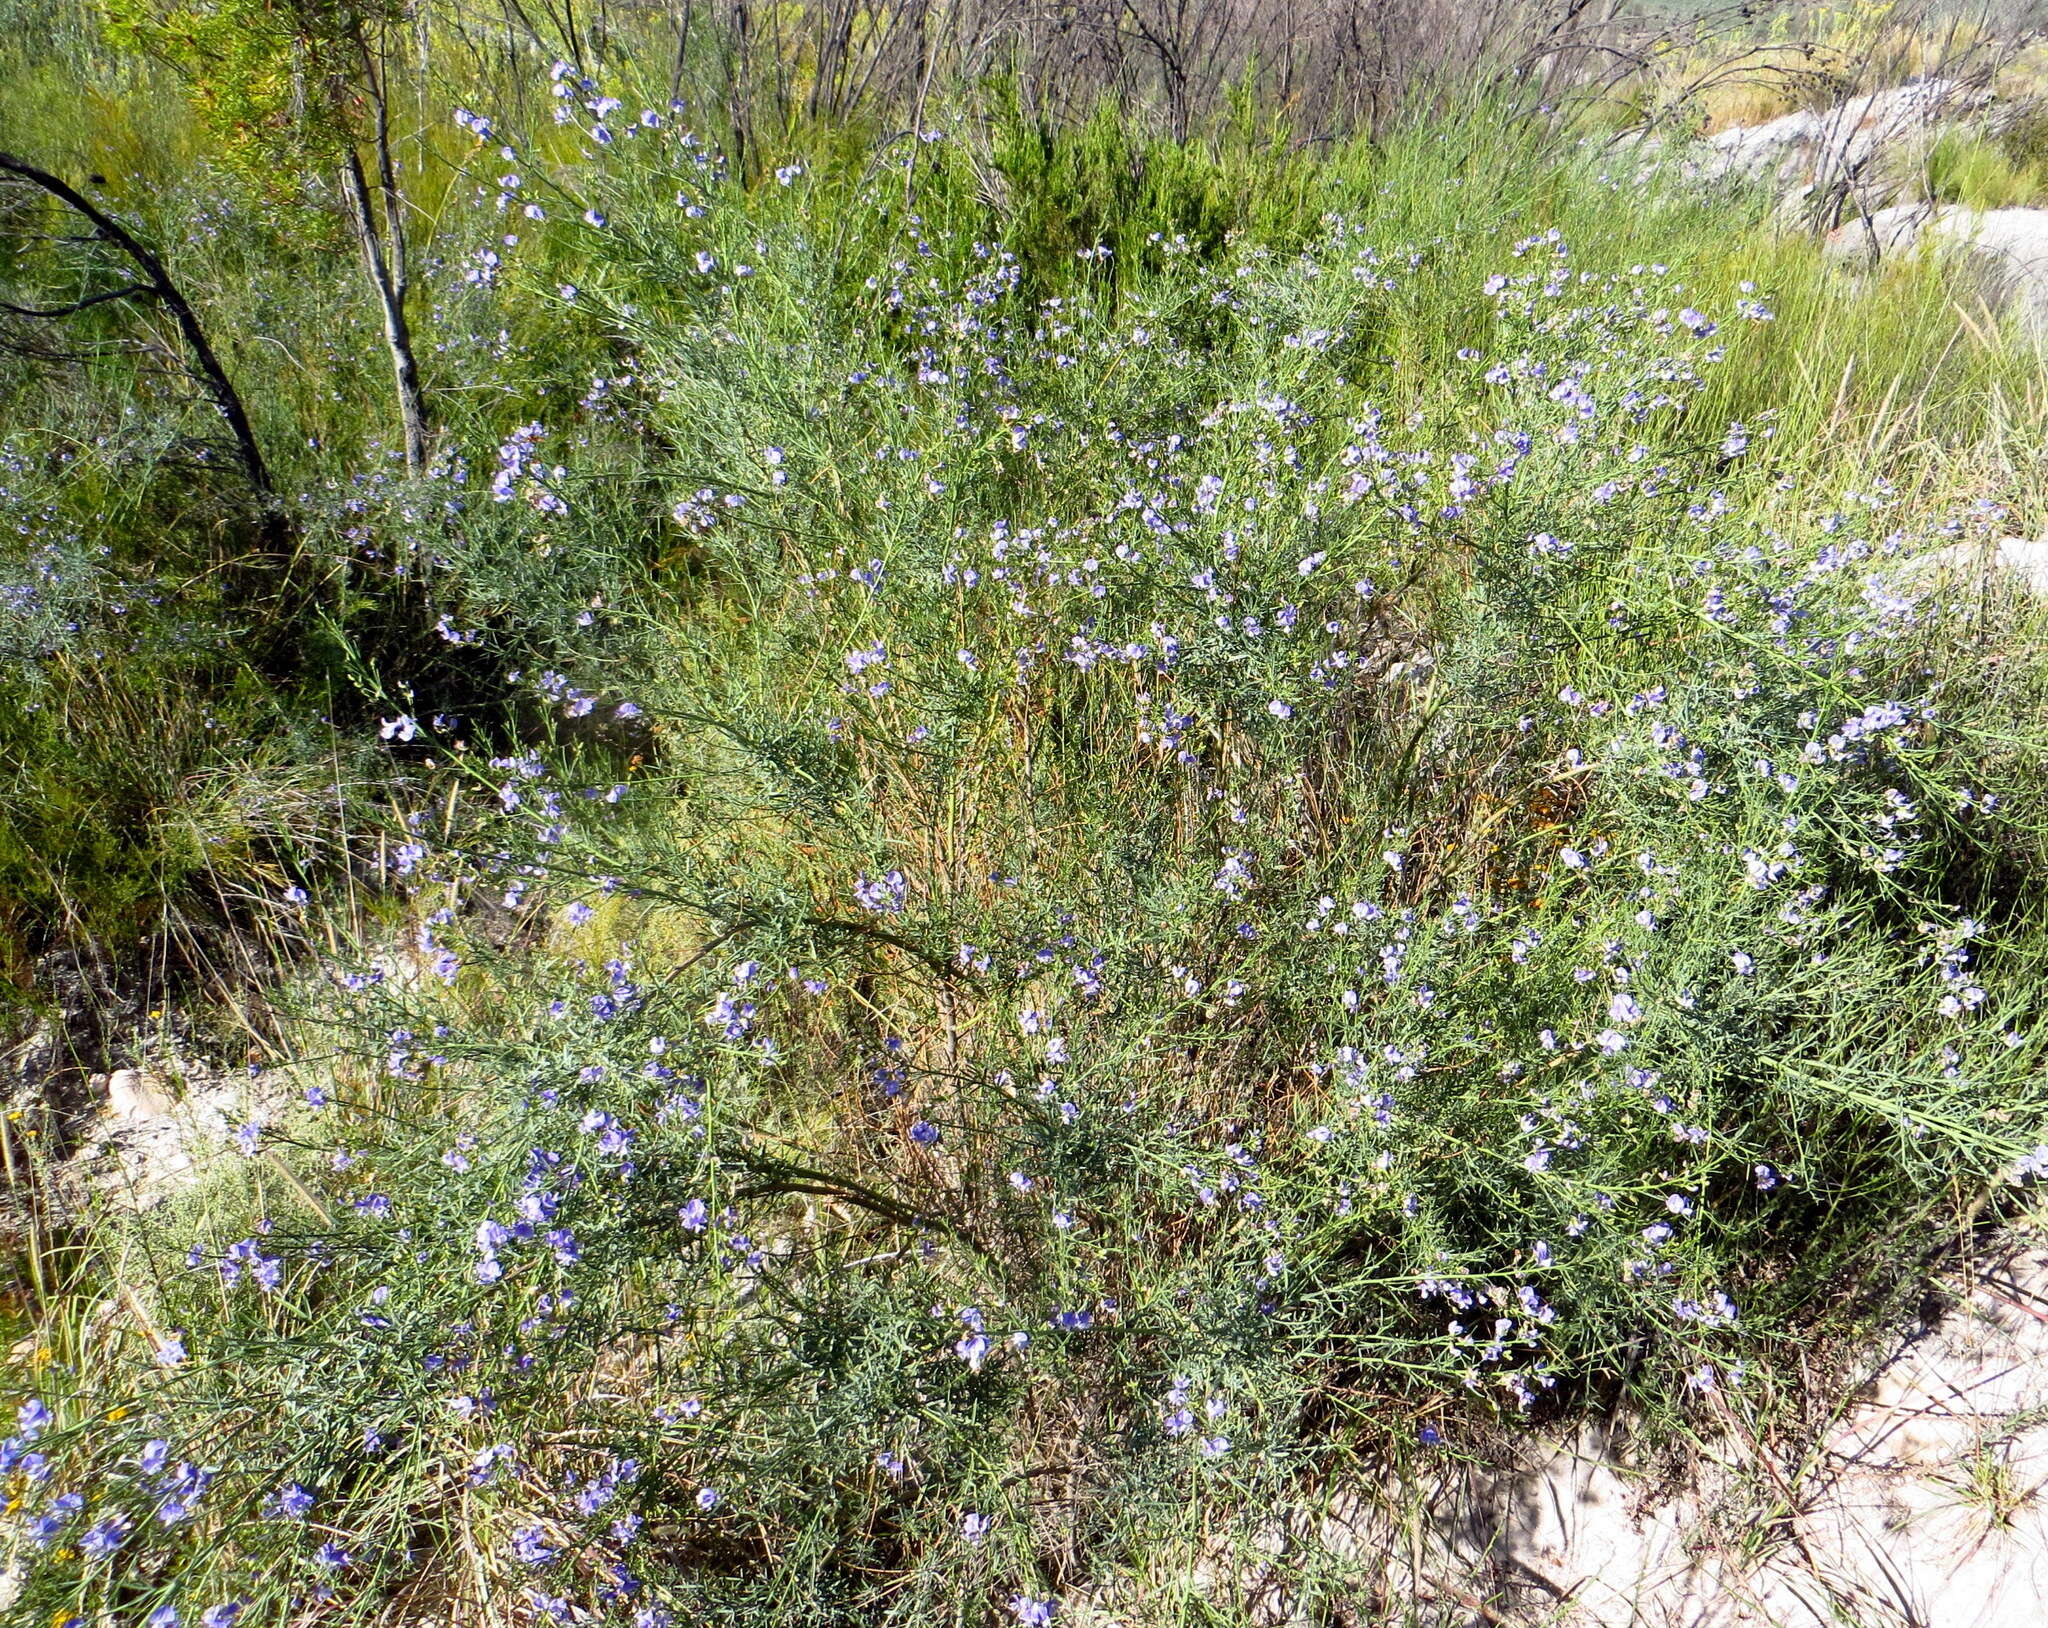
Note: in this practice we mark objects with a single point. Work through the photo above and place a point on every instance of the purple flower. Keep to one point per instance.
(883, 896)
(102, 1540)
(530, 1545)
(183, 1489)
(563, 1242)
(43, 1528)
(694, 1216)
(243, 1254)
(707, 1498)
(1032, 1613)
(220, 1616)
(290, 1502)
(924, 1134)
(483, 1468)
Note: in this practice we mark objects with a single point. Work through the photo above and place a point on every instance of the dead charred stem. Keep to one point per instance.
(157, 285)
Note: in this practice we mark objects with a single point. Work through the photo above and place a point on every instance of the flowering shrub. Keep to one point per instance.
(1170, 911)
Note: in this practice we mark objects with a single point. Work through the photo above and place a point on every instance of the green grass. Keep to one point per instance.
(1983, 174)
(1465, 877)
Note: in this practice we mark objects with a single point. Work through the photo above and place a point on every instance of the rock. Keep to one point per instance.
(1920, 1505)
(134, 1095)
(1851, 144)
(1923, 1500)
(2005, 251)
(154, 1138)
(2019, 562)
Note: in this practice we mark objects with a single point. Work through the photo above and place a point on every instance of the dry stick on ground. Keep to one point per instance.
(156, 285)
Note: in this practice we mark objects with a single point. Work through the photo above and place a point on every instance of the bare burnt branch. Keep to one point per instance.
(158, 286)
(132, 291)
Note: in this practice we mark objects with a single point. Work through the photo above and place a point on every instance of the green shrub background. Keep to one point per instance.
(1103, 838)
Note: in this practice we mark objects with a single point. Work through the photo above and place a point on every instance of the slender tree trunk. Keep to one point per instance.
(396, 259)
(929, 44)
(738, 49)
(675, 78)
(573, 35)
(390, 292)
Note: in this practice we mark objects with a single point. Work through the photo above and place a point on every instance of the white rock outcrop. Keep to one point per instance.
(155, 1137)
(2004, 252)
(2014, 562)
(1920, 1503)
(1855, 142)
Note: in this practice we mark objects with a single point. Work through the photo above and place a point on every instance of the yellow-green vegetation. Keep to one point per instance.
(1019, 842)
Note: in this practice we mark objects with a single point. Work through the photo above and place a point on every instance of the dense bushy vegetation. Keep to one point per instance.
(1028, 844)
